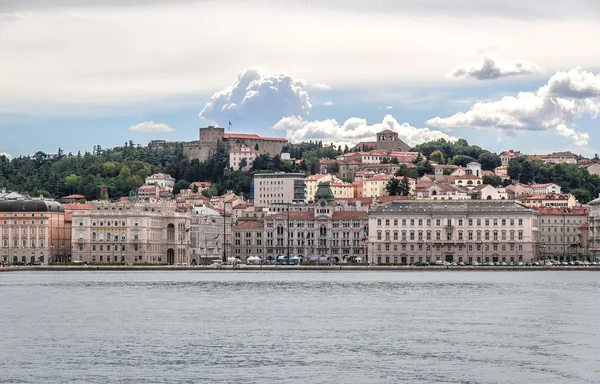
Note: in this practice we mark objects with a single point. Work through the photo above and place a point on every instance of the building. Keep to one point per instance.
(560, 236)
(386, 139)
(488, 192)
(552, 200)
(200, 186)
(161, 179)
(206, 235)
(281, 187)
(131, 232)
(507, 156)
(34, 231)
(539, 189)
(154, 191)
(322, 232)
(242, 157)
(312, 183)
(592, 167)
(454, 231)
(434, 190)
(559, 158)
(593, 224)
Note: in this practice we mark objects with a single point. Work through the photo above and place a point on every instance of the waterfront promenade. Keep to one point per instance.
(259, 268)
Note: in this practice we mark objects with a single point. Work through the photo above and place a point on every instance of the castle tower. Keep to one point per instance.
(389, 140)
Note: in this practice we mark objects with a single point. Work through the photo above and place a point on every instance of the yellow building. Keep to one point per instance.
(342, 190)
(312, 183)
(376, 186)
(551, 200)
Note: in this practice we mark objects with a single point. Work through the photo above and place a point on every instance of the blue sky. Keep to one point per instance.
(514, 75)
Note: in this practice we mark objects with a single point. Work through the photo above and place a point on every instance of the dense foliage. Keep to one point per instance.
(123, 169)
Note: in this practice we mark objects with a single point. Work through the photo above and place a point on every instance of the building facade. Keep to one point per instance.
(161, 179)
(322, 231)
(206, 235)
(242, 158)
(560, 236)
(34, 231)
(454, 231)
(282, 188)
(131, 233)
(593, 225)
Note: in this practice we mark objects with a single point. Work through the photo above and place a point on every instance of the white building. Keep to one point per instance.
(453, 231)
(126, 232)
(206, 235)
(161, 179)
(281, 187)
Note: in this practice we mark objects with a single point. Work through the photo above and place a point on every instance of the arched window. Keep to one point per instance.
(487, 235)
(404, 235)
(94, 236)
(495, 233)
(378, 235)
(412, 235)
(387, 235)
(395, 235)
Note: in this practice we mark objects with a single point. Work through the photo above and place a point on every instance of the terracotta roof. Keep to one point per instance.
(249, 224)
(544, 196)
(389, 131)
(242, 136)
(203, 184)
(316, 177)
(74, 197)
(466, 176)
(161, 176)
(349, 214)
(68, 217)
(559, 211)
(378, 178)
(77, 207)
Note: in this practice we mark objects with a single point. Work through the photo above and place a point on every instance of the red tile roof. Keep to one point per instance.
(249, 225)
(559, 211)
(243, 136)
(293, 215)
(349, 214)
(77, 207)
(383, 199)
(74, 197)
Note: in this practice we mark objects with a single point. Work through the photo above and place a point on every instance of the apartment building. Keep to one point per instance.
(593, 225)
(551, 200)
(206, 235)
(281, 187)
(453, 231)
(560, 233)
(131, 232)
(34, 230)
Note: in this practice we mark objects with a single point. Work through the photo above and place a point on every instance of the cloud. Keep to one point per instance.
(62, 56)
(554, 107)
(576, 84)
(353, 131)
(7, 155)
(491, 69)
(150, 127)
(328, 103)
(257, 97)
(319, 87)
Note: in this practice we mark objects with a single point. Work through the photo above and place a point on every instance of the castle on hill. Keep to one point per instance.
(209, 137)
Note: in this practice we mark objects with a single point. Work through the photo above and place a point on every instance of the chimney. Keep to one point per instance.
(439, 174)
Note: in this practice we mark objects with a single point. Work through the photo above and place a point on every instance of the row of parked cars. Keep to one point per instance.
(547, 263)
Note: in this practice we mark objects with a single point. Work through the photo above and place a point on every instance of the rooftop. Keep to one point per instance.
(448, 206)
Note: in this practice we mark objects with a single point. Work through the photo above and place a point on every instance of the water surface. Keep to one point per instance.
(300, 327)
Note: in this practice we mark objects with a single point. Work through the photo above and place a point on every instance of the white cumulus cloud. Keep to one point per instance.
(257, 97)
(554, 107)
(353, 131)
(150, 126)
(7, 155)
(490, 69)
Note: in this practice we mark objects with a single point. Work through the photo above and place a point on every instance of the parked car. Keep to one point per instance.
(421, 264)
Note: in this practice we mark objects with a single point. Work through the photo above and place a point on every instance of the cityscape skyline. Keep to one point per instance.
(100, 75)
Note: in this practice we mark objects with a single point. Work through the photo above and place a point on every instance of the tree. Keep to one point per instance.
(72, 183)
(582, 195)
(425, 168)
(437, 156)
(493, 180)
(394, 160)
(462, 160)
(181, 184)
(514, 169)
(385, 160)
(243, 163)
(256, 147)
(404, 187)
(418, 159)
(489, 161)
(393, 187)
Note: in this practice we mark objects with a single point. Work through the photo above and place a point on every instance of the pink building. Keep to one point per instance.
(237, 154)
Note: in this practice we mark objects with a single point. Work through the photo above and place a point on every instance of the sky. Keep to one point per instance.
(513, 74)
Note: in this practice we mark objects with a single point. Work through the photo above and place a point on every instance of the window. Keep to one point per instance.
(520, 222)
(387, 222)
(378, 235)
(395, 235)
(438, 222)
(520, 235)
(379, 222)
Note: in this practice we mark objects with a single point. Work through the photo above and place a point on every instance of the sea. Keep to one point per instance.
(300, 327)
